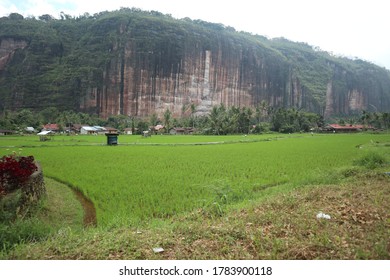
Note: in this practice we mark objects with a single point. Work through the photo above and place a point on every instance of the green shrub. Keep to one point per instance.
(21, 231)
(371, 160)
(9, 206)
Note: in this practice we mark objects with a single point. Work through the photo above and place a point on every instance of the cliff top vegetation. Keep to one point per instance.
(66, 57)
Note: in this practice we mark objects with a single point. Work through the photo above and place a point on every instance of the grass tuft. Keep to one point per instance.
(59, 211)
(371, 160)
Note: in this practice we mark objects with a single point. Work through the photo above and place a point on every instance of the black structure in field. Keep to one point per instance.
(112, 138)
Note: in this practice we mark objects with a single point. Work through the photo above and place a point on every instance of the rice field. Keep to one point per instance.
(98, 140)
(145, 178)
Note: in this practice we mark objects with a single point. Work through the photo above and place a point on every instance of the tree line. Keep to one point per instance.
(221, 120)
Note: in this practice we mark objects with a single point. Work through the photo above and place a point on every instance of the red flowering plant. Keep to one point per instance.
(14, 171)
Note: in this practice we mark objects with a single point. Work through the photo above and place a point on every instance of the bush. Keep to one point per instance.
(371, 161)
(9, 205)
(22, 231)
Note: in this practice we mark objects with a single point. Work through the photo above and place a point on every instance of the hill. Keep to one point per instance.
(137, 63)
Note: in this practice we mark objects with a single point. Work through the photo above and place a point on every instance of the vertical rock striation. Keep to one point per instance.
(184, 67)
(138, 63)
(139, 81)
(8, 46)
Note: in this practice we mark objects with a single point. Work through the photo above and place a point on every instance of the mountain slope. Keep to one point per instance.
(138, 63)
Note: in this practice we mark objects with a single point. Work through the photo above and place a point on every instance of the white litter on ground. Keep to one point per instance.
(321, 215)
(158, 250)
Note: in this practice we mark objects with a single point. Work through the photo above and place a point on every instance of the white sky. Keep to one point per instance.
(356, 28)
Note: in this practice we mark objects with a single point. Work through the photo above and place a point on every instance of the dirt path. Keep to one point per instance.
(89, 209)
(87, 204)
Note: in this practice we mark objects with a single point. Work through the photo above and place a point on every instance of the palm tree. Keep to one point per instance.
(167, 119)
(153, 119)
(264, 109)
(386, 120)
(365, 117)
(193, 110)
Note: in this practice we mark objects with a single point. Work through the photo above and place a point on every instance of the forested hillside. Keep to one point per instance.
(135, 63)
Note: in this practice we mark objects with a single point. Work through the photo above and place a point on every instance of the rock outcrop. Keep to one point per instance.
(8, 46)
(138, 63)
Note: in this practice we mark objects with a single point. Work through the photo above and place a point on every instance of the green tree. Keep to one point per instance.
(118, 121)
(25, 118)
(386, 120)
(193, 110)
(49, 115)
(142, 125)
(244, 120)
(153, 119)
(365, 118)
(218, 120)
(291, 120)
(167, 119)
(6, 121)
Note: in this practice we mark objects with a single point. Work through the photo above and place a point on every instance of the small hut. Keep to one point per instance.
(45, 135)
(112, 139)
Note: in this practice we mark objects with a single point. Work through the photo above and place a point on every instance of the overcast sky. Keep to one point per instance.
(358, 28)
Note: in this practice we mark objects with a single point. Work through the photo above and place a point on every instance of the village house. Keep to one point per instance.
(6, 132)
(110, 130)
(29, 129)
(51, 127)
(88, 130)
(128, 131)
(100, 129)
(345, 128)
(75, 128)
(159, 129)
(181, 130)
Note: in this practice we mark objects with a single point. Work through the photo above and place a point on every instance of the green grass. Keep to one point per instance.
(281, 226)
(18, 141)
(132, 184)
(57, 212)
(60, 208)
(231, 200)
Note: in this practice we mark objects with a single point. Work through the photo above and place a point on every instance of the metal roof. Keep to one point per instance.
(89, 128)
(46, 132)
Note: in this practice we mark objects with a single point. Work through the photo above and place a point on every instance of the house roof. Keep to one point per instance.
(78, 126)
(111, 129)
(89, 128)
(51, 126)
(179, 129)
(100, 128)
(348, 126)
(45, 132)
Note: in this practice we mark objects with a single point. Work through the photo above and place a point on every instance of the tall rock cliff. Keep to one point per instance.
(138, 63)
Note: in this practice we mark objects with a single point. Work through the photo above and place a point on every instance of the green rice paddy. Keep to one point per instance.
(158, 177)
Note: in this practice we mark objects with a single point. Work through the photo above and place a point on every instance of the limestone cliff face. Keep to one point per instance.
(351, 102)
(8, 47)
(173, 73)
(349, 93)
(136, 83)
(138, 63)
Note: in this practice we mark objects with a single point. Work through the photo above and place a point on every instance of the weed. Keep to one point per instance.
(55, 214)
(350, 172)
(371, 160)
